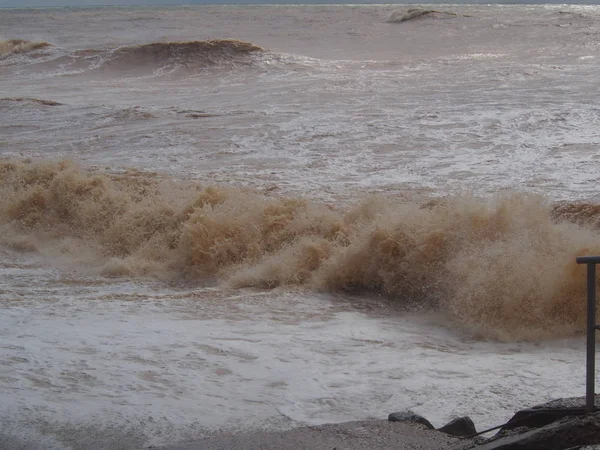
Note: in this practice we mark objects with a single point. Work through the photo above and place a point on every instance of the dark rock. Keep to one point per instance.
(463, 426)
(565, 433)
(569, 402)
(538, 417)
(409, 416)
(584, 447)
(546, 413)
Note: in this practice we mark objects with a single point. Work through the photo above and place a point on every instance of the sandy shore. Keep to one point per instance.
(360, 435)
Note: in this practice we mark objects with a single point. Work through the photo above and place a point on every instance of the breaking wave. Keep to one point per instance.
(504, 267)
(14, 46)
(29, 101)
(404, 15)
(187, 54)
(138, 60)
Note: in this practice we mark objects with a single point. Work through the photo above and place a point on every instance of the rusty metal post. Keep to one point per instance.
(590, 380)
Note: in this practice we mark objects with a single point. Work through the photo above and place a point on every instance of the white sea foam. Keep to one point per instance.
(162, 365)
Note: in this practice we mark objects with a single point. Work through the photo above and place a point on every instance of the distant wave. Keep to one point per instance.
(404, 15)
(505, 268)
(29, 100)
(137, 60)
(187, 54)
(573, 15)
(164, 58)
(14, 46)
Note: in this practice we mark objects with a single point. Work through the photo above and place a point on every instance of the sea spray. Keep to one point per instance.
(502, 266)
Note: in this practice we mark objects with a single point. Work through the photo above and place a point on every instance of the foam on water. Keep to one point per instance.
(145, 364)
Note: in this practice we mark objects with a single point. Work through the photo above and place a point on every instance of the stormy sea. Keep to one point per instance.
(263, 217)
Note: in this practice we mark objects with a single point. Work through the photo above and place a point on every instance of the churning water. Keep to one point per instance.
(225, 217)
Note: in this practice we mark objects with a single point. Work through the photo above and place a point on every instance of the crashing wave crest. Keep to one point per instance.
(140, 59)
(505, 267)
(189, 54)
(15, 46)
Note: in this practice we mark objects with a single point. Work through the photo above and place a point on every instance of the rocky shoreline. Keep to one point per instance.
(561, 424)
(558, 425)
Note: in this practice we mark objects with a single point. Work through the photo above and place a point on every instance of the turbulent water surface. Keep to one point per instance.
(225, 217)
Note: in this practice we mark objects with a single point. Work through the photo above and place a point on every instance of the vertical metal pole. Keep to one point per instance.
(591, 338)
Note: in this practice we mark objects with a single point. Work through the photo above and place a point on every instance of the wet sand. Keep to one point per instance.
(359, 435)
